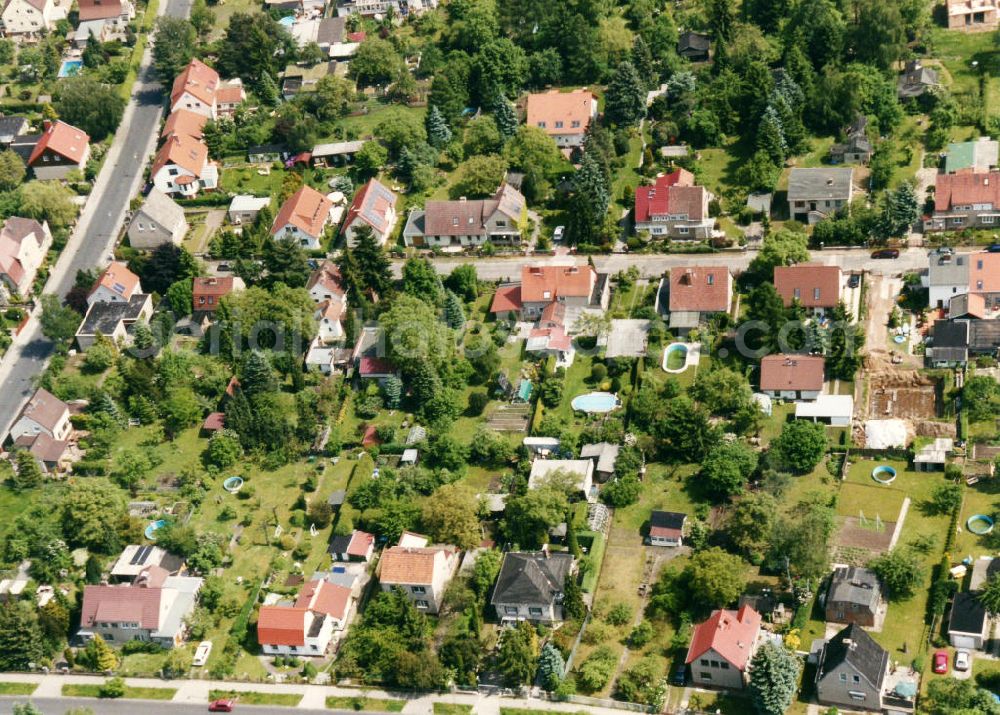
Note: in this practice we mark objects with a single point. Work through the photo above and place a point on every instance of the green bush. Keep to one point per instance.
(113, 688)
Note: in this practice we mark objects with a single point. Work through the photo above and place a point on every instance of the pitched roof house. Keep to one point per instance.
(44, 413)
(308, 626)
(579, 473)
(968, 621)
(851, 671)
(498, 219)
(722, 647)
(243, 209)
(135, 558)
(792, 377)
(117, 284)
(854, 596)
(115, 12)
(114, 320)
(52, 455)
(916, 79)
(194, 89)
(530, 586)
(564, 116)
(326, 283)
(674, 207)
(973, 15)
(184, 123)
(28, 17)
(208, 292)
(695, 46)
(158, 221)
(575, 286)
(816, 287)
(421, 572)
(698, 292)
(60, 149)
(23, 245)
(356, 546)
(182, 166)
(815, 193)
(666, 528)
(303, 218)
(375, 206)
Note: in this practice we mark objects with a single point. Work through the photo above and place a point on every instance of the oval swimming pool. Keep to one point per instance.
(675, 357)
(595, 402)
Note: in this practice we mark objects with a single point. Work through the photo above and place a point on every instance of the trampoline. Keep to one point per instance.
(979, 524)
(233, 484)
(884, 474)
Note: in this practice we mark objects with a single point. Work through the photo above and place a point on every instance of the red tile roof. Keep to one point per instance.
(114, 604)
(215, 422)
(307, 210)
(325, 597)
(361, 542)
(791, 372)
(814, 285)
(572, 109)
(506, 299)
(673, 193)
(543, 284)
(184, 151)
(987, 278)
(197, 79)
(328, 277)
(556, 338)
(372, 204)
(700, 289)
(370, 437)
(213, 285)
(967, 188)
(406, 565)
(731, 634)
(99, 9)
(230, 93)
(371, 366)
(63, 139)
(184, 122)
(281, 625)
(118, 279)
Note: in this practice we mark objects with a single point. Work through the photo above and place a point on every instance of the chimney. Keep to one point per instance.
(46, 125)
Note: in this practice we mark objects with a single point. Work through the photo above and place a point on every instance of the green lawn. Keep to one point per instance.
(956, 51)
(250, 697)
(452, 709)
(131, 693)
(370, 704)
(17, 688)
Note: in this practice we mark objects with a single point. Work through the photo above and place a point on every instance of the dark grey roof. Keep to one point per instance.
(267, 149)
(819, 183)
(951, 334)
(858, 126)
(940, 355)
(330, 31)
(967, 614)
(104, 317)
(856, 648)
(531, 577)
(337, 498)
(984, 335)
(11, 127)
(693, 41)
(339, 544)
(855, 585)
(667, 520)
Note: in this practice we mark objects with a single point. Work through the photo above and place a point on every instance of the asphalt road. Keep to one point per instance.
(58, 706)
(106, 211)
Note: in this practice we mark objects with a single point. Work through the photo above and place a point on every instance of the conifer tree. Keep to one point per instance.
(454, 314)
(438, 132)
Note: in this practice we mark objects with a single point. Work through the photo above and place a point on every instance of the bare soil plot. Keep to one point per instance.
(510, 418)
(903, 394)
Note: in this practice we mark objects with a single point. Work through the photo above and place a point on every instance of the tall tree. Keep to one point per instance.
(771, 138)
(625, 98)
(589, 201)
(12, 170)
(800, 446)
(258, 375)
(774, 678)
(368, 267)
(176, 40)
(879, 37)
(438, 131)
(59, 322)
(254, 45)
(28, 474)
(20, 636)
(454, 314)
(506, 119)
(420, 279)
(286, 262)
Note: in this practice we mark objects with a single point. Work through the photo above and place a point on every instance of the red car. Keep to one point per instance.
(221, 706)
(941, 661)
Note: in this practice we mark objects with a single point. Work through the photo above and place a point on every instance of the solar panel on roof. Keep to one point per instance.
(141, 554)
(119, 288)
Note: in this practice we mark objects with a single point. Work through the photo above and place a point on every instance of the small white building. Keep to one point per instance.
(243, 209)
(834, 410)
(578, 472)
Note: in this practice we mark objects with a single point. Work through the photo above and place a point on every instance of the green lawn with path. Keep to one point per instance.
(87, 690)
(366, 704)
(252, 697)
(17, 688)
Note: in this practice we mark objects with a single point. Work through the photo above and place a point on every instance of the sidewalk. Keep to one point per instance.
(313, 696)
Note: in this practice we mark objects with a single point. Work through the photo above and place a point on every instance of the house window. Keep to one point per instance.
(715, 664)
(815, 293)
(418, 589)
(534, 611)
(856, 678)
(704, 662)
(454, 221)
(979, 285)
(711, 279)
(979, 265)
(796, 293)
(541, 125)
(420, 603)
(510, 610)
(724, 665)
(856, 695)
(559, 125)
(705, 675)
(987, 219)
(139, 226)
(843, 677)
(682, 230)
(957, 221)
(575, 124)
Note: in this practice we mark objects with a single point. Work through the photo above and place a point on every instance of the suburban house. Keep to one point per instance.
(23, 245)
(184, 123)
(182, 166)
(578, 287)
(564, 116)
(949, 343)
(694, 46)
(814, 194)
(933, 456)
(195, 88)
(530, 586)
(550, 336)
(666, 528)
(856, 147)
(52, 455)
(833, 410)
(817, 288)
(578, 474)
(113, 320)
(968, 624)
(153, 608)
(953, 275)
(208, 292)
(851, 671)
(604, 455)
(855, 596)
(229, 96)
(303, 218)
(117, 284)
(335, 153)
(356, 546)
(370, 356)
(696, 293)
(469, 222)
(965, 200)
(44, 414)
(374, 206)
(326, 283)
(243, 209)
(722, 647)
(135, 558)
(11, 127)
(674, 207)
(158, 221)
(328, 316)
(28, 17)
(972, 15)
(947, 276)
(308, 626)
(421, 572)
(59, 150)
(115, 14)
(977, 156)
(792, 377)
(915, 80)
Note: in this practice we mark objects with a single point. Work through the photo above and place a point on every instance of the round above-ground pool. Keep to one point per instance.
(675, 357)
(884, 474)
(233, 484)
(899, 339)
(979, 524)
(595, 402)
(152, 528)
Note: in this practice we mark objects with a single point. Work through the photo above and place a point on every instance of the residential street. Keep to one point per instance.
(58, 706)
(93, 239)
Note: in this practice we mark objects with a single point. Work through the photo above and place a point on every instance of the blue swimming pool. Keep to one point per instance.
(153, 527)
(71, 68)
(595, 402)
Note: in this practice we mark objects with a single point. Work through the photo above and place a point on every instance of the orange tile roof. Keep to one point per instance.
(953, 190)
(118, 279)
(402, 565)
(506, 299)
(197, 79)
(63, 139)
(184, 122)
(325, 597)
(307, 209)
(802, 281)
(985, 279)
(281, 625)
(213, 285)
(561, 112)
(791, 372)
(114, 604)
(700, 289)
(230, 93)
(184, 151)
(99, 9)
(546, 283)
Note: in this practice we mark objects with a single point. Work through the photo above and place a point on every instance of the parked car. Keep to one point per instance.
(941, 661)
(994, 248)
(886, 253)
(222, 705)
(680, 675)
(223, 268)
(962, 660)
(201, 654)
(854, 281)
(558, 234)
